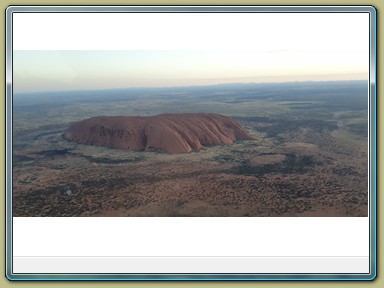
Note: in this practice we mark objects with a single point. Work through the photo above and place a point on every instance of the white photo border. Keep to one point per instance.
(194, 9)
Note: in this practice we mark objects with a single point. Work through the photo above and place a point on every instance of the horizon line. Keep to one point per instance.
(181, 86)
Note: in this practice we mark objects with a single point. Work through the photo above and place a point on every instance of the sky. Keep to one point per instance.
(305, 47)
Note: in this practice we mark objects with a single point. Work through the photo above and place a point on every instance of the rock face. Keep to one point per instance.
(171, 133)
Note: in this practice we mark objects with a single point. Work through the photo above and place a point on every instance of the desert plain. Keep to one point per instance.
(307, 155)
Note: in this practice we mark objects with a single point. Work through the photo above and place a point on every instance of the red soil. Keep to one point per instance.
(171, 133)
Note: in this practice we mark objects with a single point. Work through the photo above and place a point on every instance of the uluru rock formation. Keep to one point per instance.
(171, 133)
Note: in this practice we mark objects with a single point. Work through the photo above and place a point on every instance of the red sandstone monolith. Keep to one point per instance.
(171, 133)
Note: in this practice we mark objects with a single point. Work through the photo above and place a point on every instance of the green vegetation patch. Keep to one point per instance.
(293, 163)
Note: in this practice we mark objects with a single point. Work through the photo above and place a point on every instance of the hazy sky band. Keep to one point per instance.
(102, 51)
(78, 70)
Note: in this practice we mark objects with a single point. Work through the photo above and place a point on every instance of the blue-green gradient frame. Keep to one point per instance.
(196, 9)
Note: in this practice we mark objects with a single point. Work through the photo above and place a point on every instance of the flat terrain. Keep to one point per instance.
(308, 155)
